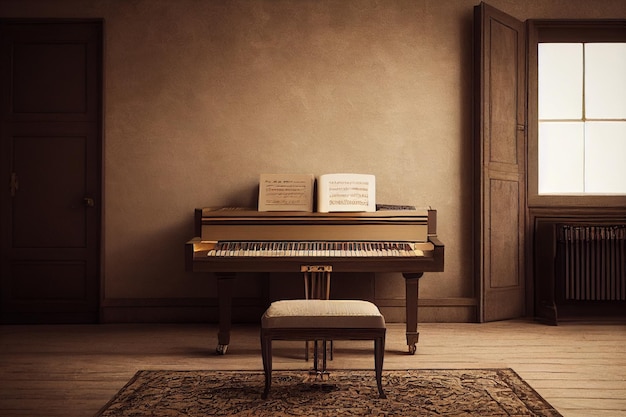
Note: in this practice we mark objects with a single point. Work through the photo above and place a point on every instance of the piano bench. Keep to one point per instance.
(322, 320)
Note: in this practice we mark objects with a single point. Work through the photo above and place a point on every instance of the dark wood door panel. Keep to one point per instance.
(63, 83)
(59, 181)
(52, 71)
(65, 281)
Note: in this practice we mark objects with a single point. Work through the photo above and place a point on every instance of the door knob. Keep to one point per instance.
(14, 184)
(89, 202)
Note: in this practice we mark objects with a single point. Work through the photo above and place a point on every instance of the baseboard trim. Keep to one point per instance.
(249, 310)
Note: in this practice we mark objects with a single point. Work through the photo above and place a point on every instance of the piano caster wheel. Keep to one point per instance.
(412, 349)
(221, 349)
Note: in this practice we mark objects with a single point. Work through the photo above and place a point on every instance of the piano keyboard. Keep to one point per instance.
(314, 249)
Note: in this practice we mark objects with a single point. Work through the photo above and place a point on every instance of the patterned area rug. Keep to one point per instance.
(419, 392)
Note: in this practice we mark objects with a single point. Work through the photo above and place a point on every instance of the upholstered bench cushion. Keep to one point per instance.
(356, 314)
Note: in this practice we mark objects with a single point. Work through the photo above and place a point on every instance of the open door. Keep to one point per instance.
(500, 163)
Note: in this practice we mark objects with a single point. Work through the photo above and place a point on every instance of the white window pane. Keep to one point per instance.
(561, 157)
(560, 80)
(605, 80)
(605, 157)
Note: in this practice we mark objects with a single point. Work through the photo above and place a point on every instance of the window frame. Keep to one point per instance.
(610, 30)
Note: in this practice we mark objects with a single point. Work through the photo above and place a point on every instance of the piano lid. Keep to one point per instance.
(241, 214)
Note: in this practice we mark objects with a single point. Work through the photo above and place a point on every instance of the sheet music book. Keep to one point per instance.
(346, 192)
(286, 192)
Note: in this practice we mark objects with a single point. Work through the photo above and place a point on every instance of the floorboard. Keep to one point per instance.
(73, 370)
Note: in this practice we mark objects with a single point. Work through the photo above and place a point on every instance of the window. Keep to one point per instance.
(577, 113)
(582, 118)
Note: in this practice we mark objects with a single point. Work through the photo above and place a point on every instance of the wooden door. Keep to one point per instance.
(50, 170)
(500, 164)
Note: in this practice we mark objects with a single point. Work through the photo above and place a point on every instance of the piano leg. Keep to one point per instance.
(225, 305)
(412, 293)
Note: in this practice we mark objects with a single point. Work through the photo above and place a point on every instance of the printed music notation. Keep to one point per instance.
(286, 192)
(346, 192)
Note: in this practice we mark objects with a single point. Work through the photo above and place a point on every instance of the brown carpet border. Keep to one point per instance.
(484, 392)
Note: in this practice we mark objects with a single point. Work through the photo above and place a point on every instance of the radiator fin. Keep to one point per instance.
(593, 262)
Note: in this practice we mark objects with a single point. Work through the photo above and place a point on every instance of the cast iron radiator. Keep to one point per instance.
(592, 262)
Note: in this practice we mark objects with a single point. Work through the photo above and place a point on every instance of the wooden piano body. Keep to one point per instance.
(233, 240)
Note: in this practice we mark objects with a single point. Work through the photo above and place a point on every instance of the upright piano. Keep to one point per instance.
(237, 240)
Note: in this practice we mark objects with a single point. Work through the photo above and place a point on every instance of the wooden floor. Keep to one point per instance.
(580, 368)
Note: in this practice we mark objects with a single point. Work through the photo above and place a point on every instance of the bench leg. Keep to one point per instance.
(266, 354)
(319, 361)
(379, 355)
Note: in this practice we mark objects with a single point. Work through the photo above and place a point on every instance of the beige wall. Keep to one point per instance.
(200, 97)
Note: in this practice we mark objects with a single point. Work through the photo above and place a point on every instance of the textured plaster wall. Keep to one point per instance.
(207, 98)
(200, 97)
